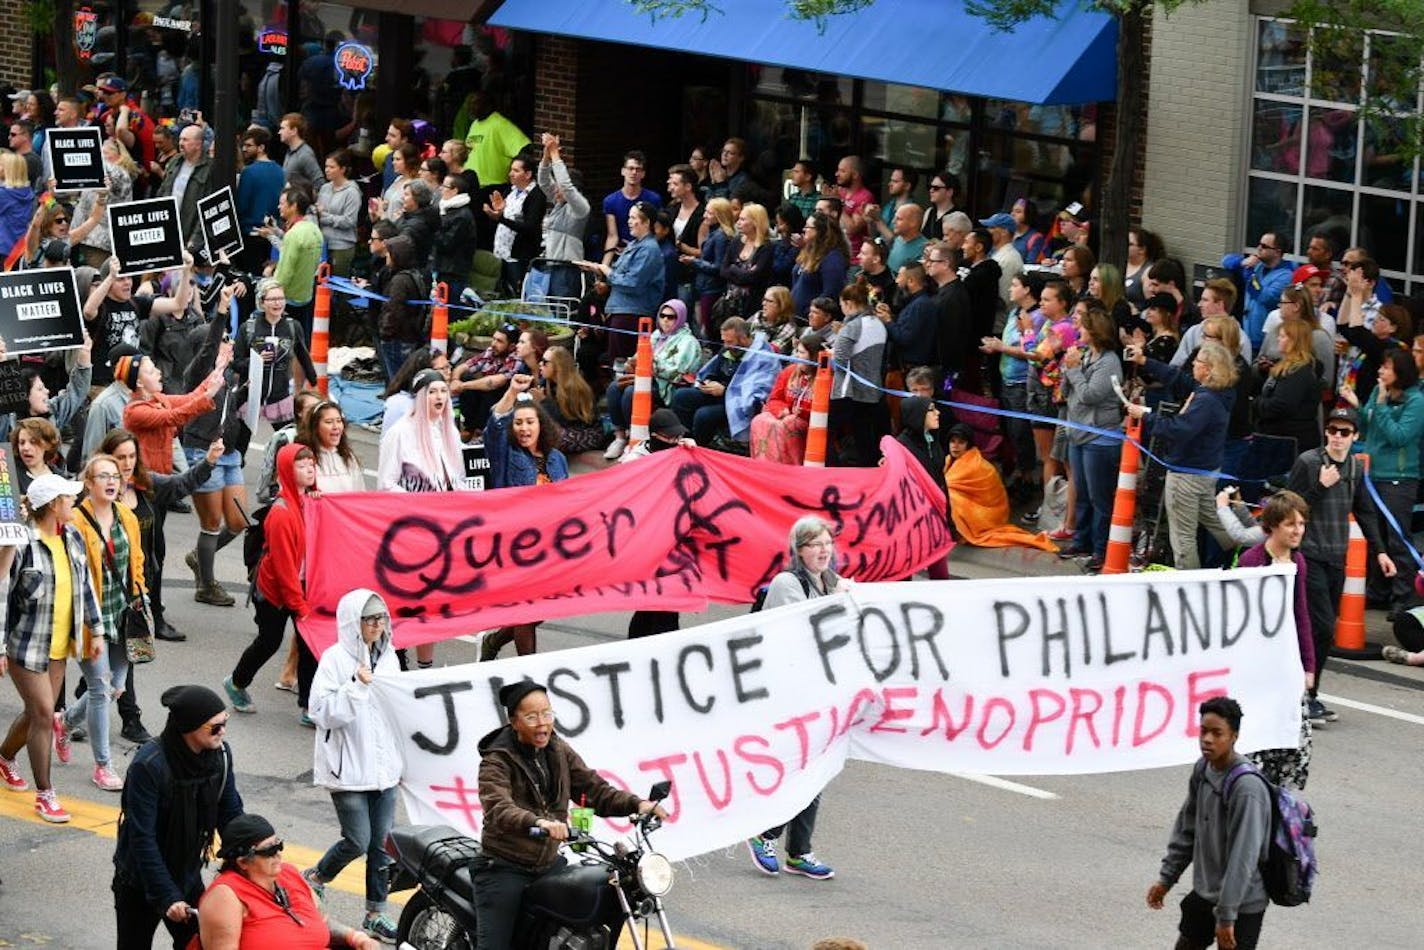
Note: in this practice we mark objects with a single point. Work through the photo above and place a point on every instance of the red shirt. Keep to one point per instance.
(852, 204)
(267, 924)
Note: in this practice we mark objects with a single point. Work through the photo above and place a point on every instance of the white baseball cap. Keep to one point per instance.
(47, 488)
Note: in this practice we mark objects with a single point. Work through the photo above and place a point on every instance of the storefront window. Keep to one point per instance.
(900, 100)
(1271, 207)
(1275, 137)
(1280, 59)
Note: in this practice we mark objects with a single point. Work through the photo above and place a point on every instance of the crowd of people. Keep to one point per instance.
(926, 311)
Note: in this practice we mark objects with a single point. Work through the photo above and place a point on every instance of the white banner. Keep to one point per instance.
(751, 717)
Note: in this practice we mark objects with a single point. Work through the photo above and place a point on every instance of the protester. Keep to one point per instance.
(114, 549)
(323, 430)
(180, 788)
(779, 430)
(277, 593)
(978, 503)
(1225, 840)
(357, 755)
(514, 801)
(258, 901)
(36, 446)
(1088, 373)
(421, 452)
(676, 354)
(858, 357)
(60, 409)
(51, 599)
(153, 416)
(278, 339)
(113, 313)
(809, 573)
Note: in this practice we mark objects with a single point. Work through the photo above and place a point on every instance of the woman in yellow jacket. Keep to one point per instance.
(115, 552)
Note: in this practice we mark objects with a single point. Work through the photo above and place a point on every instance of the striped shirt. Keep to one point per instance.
(29, 621)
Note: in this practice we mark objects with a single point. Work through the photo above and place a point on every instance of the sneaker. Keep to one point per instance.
(107, 779)
(191, 559)
(214, 595)
(1328, 714)
(1030, 517)
(61, 739)
(306, 721)
(14, 781)
(78, 734)
(241, 701)
(1094, 565)
(764, 855)
(615, 449)
(48, 807)
(1396, 654)
(318, 886)
(133, 731)
(1062, 534)
(381, 927)
(1315, 712)
(288, 687)
(807, 866)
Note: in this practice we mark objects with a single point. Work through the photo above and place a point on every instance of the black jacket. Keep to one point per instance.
(913, 437)
(958, 344)
(528, 228)
(400, 319)
(455, 244)
(420, 226)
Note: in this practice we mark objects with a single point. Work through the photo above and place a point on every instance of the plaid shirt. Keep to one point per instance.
(29, 619)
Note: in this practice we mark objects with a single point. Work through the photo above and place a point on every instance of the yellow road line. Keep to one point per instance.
(103, 820)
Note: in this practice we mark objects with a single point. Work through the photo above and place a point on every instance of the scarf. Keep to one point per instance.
(197, 782)
(449, 204)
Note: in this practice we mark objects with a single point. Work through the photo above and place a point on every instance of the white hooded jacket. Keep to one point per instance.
(355, 747)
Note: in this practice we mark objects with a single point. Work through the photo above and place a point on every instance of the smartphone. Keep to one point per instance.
(187, 116)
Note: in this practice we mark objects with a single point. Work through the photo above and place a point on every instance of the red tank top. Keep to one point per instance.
(267, 924)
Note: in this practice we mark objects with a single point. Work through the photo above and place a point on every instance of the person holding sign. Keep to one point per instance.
(287, 364)
(39, 404)
(528, 776)
(810, 572)
(114, 312)
(154, 416)
(50, 600)
(529, 457)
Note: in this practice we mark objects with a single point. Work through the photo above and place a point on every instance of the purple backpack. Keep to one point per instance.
(1290, 866)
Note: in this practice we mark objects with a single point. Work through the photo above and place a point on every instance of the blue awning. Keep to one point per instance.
(931, 43)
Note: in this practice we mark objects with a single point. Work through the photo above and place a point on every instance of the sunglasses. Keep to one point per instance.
(61, 220)
(509, 329)
(271, 851)
(215, 728)
(1339, 430)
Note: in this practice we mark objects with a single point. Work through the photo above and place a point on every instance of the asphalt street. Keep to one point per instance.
(922, 860)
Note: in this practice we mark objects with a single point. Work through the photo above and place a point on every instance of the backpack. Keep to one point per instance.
(254, 539)
(1290, 867)
(760, 602)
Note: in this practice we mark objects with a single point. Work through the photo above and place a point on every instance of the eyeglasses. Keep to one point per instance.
(215, 728)
(271, 851)
(1352, 265)
(375, 619)
(827, 543)
(935, 260)
(534, 718)
(937, 187)
(1339, 431)
(667, 315)
(543, 361)
(1267, 247)
(106, 476)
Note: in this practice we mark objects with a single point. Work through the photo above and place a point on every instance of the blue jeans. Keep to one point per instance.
(620, 405)
(104, 676)
(366, 818)
(1095, 477)
(393, 354)
(702, 414)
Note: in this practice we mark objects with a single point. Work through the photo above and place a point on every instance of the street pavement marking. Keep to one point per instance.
(1372, 708)
(103, 820)
(993, 781)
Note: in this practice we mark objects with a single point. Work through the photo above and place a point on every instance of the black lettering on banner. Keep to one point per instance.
(217, 219)
(908, 499)
(1058, 634)
(1287, 603)
(654, 669)
(566, 534)
(1200, 620)
(76, 161)
(882, 621)
(825, 645)
(694, 649)
(739, 666)
(1002, 610)
(567, 729)
(1109, 657)
(832, 508)
(446, 692)
(1228, 638)
(934, 626)
(697, 531)
(524, 549)
(612, 671)
(1157, 625)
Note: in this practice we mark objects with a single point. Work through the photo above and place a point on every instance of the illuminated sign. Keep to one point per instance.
(353, 65)
(272, 40)
(86, 30)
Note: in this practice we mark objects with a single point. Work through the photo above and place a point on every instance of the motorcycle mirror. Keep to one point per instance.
(660, 791)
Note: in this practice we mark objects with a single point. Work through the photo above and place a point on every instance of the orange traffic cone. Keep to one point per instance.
(1115, 561)
(1350, 621)
(321, 327)
(642, 385)
(440, 318)
(818, 431)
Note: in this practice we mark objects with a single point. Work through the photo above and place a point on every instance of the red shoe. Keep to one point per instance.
(107, 779)
(48, 807)
(61, 739)
(1062, 534)
(14, 781)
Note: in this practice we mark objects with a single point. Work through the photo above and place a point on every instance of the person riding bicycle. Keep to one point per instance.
(528, 776)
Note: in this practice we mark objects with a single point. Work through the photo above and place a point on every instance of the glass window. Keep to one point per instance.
(904, 100)
(1394, 68)
(1280, 59)
(1332, 141)
(800, 84)
(1384, 165)
(1330, 211)
(1270, 207)
(899, 142)
(1384, 230)
(1275, 137)
(1059, 121)
(1336, 72)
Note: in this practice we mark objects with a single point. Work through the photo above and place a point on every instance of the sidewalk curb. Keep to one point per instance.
(1368, 671)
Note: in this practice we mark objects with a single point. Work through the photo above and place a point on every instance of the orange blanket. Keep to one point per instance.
(980, 506)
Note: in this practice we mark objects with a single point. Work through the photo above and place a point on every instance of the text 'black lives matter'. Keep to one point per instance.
(477, 467)
(39, 311)
(75, 158)
(146, 235)
(221, 231)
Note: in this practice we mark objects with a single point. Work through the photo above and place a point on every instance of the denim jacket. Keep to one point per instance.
(637, 279)
(512, 466)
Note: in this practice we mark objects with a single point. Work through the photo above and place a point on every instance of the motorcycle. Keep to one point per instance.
(583, 906)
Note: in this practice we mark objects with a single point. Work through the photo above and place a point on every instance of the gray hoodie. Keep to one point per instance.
(565, 221)
(1224, 841)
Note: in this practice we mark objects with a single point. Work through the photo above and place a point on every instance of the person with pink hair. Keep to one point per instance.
(421, 452)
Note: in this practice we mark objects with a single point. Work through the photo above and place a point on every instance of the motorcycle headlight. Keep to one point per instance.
(655, 874)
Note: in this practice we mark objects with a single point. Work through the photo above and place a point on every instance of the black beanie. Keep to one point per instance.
(512, 694)
(243, 832)
(191, 706)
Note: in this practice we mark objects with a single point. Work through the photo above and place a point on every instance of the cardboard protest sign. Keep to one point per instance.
(75, 159)
(217, 216)
(477, 467)
(750, 718)
(147, 235)
(14, 394)
(13, 530)
(40, 311)
(669, 532)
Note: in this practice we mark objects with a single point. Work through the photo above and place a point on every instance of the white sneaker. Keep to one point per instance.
(615, 449)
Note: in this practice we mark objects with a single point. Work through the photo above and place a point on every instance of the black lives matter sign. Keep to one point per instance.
(75, 158)
(477, 467)
(39, 311)
(146, 235)
(218, 216)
